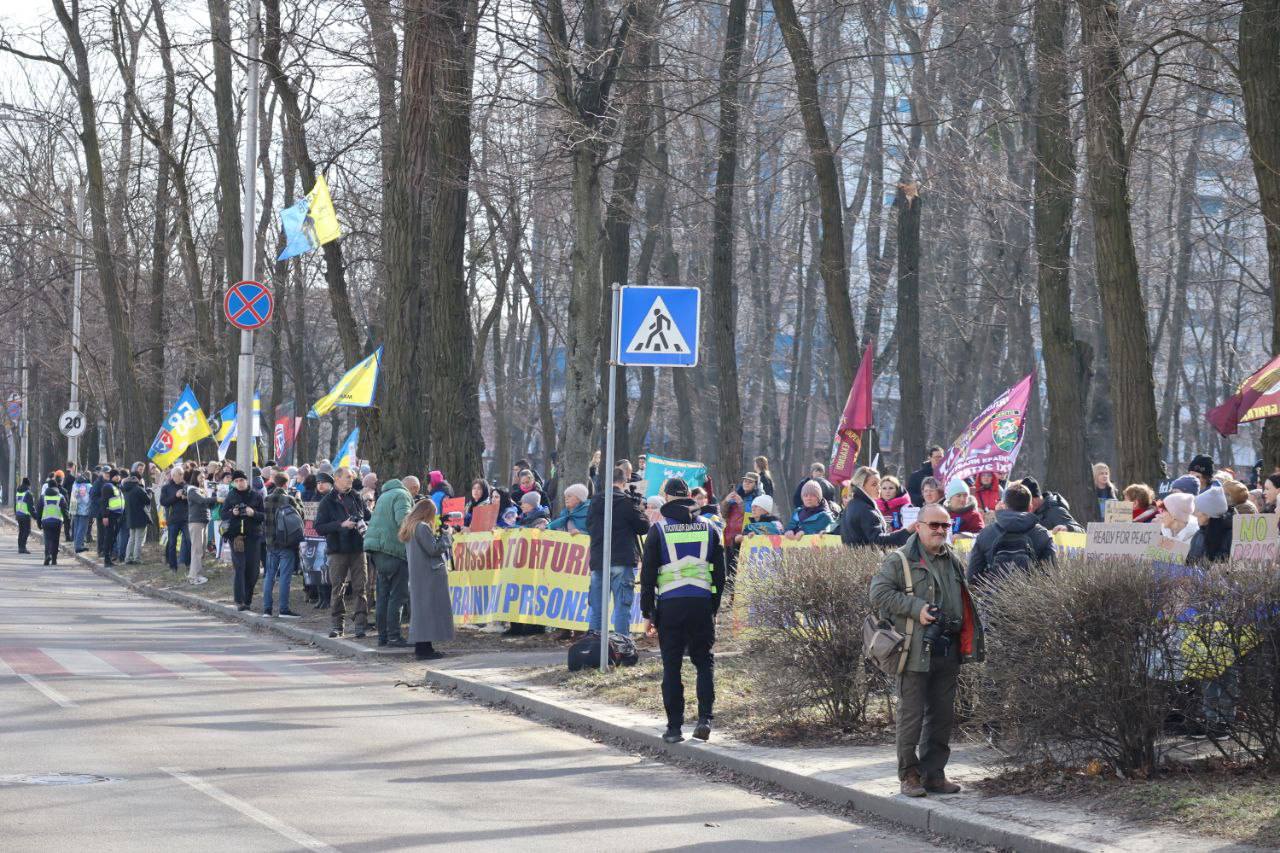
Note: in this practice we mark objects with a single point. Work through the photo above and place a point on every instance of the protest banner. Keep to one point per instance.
(659, 469)
(1064, 542)
(483, 518)
(1255, 537)
(309, 509)
(537, 577)
(1118, 512)
(762, 552)
(992, 441)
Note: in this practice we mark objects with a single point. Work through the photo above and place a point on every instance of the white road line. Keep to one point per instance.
(84, 663)
(186, 666)
(252, 812)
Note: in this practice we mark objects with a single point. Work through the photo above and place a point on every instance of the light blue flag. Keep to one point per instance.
(659, 469)
(346, 457)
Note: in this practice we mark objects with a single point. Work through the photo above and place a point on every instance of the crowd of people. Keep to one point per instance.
(362, 544)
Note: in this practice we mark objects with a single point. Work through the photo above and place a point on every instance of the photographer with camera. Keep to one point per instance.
(242, 513)
(921, 587)
(343, 518)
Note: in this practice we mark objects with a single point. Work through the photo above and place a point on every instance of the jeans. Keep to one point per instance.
(392, 595)
(177, 547)
(622, 592)
(280, 564)
(926, 715)
(686, 625)
(79, 527)
(123, 535)
(133, 551)
(245, 554)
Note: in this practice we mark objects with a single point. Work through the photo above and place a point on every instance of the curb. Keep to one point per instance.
(933, 817)
(338, 646)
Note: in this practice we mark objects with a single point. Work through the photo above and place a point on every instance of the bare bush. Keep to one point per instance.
(1080, 660)
(805, 615)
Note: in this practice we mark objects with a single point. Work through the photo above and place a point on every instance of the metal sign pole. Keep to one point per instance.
(73, 441)
(606, 483)
(244, 385)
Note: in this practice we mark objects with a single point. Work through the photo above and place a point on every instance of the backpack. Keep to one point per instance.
(288, 527)
(1012, 551)
(585, 653)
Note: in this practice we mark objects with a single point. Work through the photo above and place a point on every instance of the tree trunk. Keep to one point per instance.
(834, 263)
(723, 304)
(135, 431)
(455, 441)
(228, 158)
(1124, 314)
(1067, 466)
(911, 423)
(1260, 82)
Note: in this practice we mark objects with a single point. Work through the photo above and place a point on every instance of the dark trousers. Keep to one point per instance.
(107, 541)
(52, 528)
(101, 524)
(686, 625)
(24, 532)
(926, 715)
(177, 547)
(246, 556)
(392, 595)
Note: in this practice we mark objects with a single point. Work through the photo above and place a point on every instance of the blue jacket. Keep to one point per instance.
(812, 524)
(578, 515)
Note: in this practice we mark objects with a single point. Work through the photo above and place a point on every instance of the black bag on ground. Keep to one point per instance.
(585, 653)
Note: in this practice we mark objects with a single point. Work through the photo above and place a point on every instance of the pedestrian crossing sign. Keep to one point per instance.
(658, 326)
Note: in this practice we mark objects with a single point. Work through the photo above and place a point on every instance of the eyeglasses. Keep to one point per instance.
(937, 525)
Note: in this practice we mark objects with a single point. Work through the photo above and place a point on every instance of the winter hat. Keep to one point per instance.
(365, 469)
(238, 475)
(25, 484)
(1032, 486)
(436, 478)
(325, 467)
(1212, 502)
(323, 477)
(1186, 483)
(957, 487)
(533, 499)
(654, 502)
(1201, 465)
(577, 490)
(764, 502)
(1180, 505)
(1237, 493)
(678, 488)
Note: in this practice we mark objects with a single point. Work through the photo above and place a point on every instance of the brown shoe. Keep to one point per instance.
(911, 786)
(940, 785)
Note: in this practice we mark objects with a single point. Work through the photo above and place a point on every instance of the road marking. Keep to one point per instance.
(84, 663)
(51, 694)
(252, 812)
(186, 666)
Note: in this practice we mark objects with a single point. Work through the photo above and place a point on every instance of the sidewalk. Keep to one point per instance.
(863, 778)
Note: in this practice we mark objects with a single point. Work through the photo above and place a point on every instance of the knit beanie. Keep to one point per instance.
(957, 487)
(1212, 502)
(1180, 505)
(1187, 484)
(764, 502)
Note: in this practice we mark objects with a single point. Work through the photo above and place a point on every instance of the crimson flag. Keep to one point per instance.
(1258, 398)
(856, 419)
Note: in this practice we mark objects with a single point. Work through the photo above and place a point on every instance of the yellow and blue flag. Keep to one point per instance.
(310, 222)
(347, 453)
(185, 425)
(227, 428)
(355, 388)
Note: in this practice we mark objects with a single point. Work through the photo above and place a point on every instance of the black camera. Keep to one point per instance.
(939, 633)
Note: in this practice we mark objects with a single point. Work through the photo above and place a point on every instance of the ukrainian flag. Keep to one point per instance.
(310, 222)
(185, 425)
(355, 388)
(228, 428)
(347, 453)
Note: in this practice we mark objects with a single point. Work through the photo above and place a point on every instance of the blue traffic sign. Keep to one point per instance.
(248, 305)
(658, 326)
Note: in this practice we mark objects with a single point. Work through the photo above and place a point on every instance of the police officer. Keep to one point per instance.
(23, 509)
(112, 515)
(53, 513)
(681, 578)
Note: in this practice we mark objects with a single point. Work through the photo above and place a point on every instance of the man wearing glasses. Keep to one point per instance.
(937, 614)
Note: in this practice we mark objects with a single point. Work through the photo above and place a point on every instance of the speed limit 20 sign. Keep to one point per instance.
(71, 423)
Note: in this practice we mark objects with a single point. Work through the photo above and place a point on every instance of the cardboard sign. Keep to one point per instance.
(453, 505)
(483, 518)
(1133, 540)
(309, 509)
(1255, 537)
(1118, 512)
(910, 515)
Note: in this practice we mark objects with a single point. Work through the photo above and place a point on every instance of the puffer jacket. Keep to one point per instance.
(1056, 512)
(392, 506)
(576, 516)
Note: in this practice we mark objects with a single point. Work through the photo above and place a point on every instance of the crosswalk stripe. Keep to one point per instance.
(83, 663)
(27, 661)
(186, 666)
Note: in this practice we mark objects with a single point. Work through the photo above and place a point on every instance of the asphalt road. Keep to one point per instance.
(215, 738)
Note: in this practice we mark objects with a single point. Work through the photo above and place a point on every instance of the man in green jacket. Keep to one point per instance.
(937, 595)
(385, 549)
